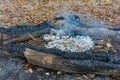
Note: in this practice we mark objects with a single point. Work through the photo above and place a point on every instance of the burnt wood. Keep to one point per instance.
(103, 56)
(98, 62)
(70, 65)
(23, 29)
(25, 37)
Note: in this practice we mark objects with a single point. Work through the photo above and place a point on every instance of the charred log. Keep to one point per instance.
(69, 65)
(27, 36)
(104, 56)
(18, 30)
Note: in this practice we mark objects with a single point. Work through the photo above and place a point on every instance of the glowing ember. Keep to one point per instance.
(68, 43)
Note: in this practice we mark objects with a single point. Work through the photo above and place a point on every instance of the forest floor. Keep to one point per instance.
(20, 12)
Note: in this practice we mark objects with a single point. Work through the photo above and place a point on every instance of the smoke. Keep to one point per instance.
(66, 25)
(69, 35)
(71, 25)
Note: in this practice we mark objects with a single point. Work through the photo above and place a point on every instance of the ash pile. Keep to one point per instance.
(70, 34)
(69, 43)
(64, 35)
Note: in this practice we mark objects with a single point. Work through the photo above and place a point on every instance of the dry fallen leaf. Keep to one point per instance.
(39, 69)
(26, 65)
(37, 4)
(50, 11)
(111, 20)
(107, 2)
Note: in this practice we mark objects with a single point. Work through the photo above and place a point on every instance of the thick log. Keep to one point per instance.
(27, 36)
(23, 29)
(70, 65)
(104, 56)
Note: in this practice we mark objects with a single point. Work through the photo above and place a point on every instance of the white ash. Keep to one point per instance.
(69, 43)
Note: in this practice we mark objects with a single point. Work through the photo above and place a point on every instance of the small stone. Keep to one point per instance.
(108, 45)
(47, 73)
(30, 70)
(59, 72)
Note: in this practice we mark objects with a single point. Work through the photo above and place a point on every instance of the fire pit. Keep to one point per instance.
(70, 46)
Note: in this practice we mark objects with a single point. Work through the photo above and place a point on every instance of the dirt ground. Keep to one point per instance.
(19, 12)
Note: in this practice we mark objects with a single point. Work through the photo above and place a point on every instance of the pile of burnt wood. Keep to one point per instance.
(92, 61)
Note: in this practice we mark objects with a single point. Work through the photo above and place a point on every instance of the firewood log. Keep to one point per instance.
(27, 36)
(70, 65)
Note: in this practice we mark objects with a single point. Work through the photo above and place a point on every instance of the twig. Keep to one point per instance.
(31, 36)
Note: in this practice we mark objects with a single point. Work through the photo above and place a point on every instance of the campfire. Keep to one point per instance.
(67, 45)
